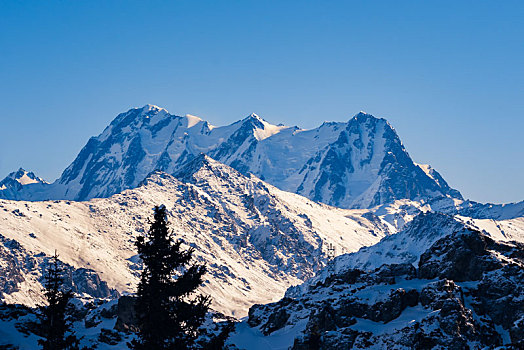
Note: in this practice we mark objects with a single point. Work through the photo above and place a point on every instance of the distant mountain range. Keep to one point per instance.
(357, 164)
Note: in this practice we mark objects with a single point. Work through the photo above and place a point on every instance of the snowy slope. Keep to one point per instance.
(408, 245)
(439, 283)
(358, 164)
(399, 213)
(256, 240)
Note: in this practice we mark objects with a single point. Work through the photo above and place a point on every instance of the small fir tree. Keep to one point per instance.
(167, 317)
(55, 325)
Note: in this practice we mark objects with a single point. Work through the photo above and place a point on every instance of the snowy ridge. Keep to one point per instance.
(358, 164)
(256, 240)
(407, 246)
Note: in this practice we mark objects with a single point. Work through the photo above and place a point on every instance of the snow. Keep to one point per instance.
(408, 316)
(10, 335)
(192, 120)
(210, 214)
(25, 180)
(249, 338)
(268, 130)
(416, 237)
(426, 168)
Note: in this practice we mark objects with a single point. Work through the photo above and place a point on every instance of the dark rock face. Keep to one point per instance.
(498, 268)
(385, 310)
(467, 288)
(275, 321)
(464, 260)
(126, 317)
(109, 337)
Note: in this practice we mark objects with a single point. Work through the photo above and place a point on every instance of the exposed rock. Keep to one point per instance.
(88, 281)
(397, 307)
(109, 336)
(18, 262)
(126, 317)
(464, 260)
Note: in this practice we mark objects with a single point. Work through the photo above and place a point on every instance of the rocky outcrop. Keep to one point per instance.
(126, 320)
(17, 263)
(11, 273)
(467, 259)
(466, 293)
(88, 281)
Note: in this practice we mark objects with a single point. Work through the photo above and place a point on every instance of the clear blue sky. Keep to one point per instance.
(448, 75)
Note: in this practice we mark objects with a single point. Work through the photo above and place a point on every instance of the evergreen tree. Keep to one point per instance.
(167, 317)
(55, 326)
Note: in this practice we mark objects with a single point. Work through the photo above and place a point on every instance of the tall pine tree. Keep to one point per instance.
(168, 318)
(55, 326)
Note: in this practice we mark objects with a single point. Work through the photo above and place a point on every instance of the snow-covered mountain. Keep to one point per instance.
(255, 239)
(440, 283)
(254, 201)
(14, 186)
(356, 164)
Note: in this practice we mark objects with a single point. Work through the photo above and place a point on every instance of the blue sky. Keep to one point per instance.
(448, 75)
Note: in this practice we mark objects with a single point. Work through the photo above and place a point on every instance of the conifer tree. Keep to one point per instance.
(167, 317)
(55, 326)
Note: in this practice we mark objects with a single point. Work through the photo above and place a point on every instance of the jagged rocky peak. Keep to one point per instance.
(254, 119)
(137, 118)
(24, 177)
(198, 167)
(255, 126)
(13, 185)
(365, 166)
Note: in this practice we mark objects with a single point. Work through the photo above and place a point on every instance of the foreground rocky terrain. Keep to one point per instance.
(465, 291)
(462, 290)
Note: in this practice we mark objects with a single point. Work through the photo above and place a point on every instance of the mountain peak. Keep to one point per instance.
(150, 107)
(24, 177)
(13, 185)
(357, 164)
(199, 163)
(192, 120)
(255, 120)
(262, 128)
(363, 116)
(137, 116)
